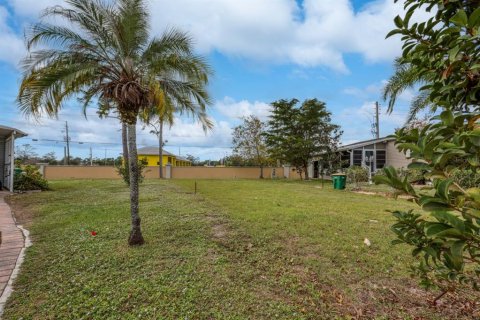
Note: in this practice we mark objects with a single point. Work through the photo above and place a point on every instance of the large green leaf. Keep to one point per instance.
(456, 252)
(443, 187)
(447, 117)
(450, 219)
(419, 166)
(433, 228)
(474, 19)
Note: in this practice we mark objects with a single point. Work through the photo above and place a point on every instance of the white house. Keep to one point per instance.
(7, 155)
(374, 153)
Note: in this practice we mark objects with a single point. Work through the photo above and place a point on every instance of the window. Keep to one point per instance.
(345, 159)
(381, 159)
(357, 157)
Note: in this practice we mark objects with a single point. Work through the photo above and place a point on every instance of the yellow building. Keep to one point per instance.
(150, 155)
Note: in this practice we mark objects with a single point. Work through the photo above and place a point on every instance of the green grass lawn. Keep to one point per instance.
(238, 249)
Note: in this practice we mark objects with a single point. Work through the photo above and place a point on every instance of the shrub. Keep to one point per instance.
(466, 178)
(124, 171)
(413, 175)
(29, 179)
(357, 174)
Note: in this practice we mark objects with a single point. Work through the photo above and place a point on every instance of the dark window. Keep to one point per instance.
(345, 158)
(158, 163)
(357, 157)
(381, 159)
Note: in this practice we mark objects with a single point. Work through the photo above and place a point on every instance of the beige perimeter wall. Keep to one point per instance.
(77, 172)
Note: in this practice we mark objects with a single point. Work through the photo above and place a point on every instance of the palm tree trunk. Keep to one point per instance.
(125, 144)
(136, 237)
(160, 148)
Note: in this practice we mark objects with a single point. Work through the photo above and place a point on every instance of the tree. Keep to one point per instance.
(444, 50)
(298, 134)
(406, 76)
(50, 158)
(107, 55)
(249, 141)
(194, 160)
(165, 114)
(26, 153)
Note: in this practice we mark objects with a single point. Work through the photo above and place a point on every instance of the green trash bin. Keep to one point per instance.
(18, 171)
(339, 180)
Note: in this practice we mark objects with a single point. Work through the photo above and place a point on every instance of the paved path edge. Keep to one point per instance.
(9, 288)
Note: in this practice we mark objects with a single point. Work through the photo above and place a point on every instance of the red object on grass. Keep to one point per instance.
(93, 233)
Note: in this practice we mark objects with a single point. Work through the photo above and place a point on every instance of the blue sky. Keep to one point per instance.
(261, 51)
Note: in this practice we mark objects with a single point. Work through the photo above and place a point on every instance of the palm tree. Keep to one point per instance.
(156, 118)
(108, 56)
(405, 77)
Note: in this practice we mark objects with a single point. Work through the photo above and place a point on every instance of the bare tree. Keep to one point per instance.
(249, 141)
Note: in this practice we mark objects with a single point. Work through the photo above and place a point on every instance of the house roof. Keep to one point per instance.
(364, 143)
(153, 151)
(182, 158)
(7, 131)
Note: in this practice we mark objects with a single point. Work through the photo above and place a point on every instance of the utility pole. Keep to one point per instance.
(105, 156)
(67, 139)
(64, 156)
(377, 121)
(160, 147)
(91, 157)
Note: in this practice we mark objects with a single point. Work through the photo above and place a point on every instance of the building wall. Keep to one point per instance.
(223, 172)
(2, 161)
(79, 172)
(396, 158)
(153, 160)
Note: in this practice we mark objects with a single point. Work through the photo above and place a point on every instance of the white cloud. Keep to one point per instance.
(357, 121)
(32, 8)
(238, 109)
(11, 45)
(274, 31)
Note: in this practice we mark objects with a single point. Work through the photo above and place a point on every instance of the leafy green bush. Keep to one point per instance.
(446, 239)
(466, 178)
(413, 175)
(124, 171)
(29, 179)
(442, 52)
(357, 174)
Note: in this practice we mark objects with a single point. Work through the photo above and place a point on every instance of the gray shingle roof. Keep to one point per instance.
(364, 143)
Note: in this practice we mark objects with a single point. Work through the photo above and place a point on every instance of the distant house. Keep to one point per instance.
(374, 153)
(150, 155)
(7, 155)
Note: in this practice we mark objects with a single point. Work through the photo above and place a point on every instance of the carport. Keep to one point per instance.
(7, 155)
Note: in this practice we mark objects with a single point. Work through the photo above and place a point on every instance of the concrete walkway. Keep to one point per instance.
(12, 247)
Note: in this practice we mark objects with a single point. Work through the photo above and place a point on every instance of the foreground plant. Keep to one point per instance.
(444, 52)
(447, 237)
(107, 55)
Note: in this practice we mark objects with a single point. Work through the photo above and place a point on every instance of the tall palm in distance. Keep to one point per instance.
(406, 77)
(107, 56)
(158, 117)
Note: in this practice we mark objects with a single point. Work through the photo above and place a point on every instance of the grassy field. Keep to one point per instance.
(238, 249)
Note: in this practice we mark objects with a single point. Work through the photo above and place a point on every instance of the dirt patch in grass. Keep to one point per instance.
(384, 194)
(21, 211)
